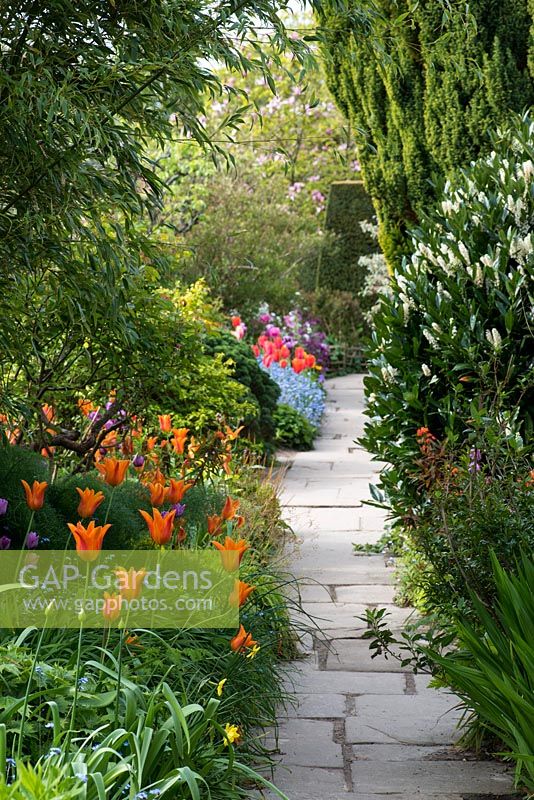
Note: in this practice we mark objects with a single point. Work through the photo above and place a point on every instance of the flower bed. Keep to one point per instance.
(143, 713)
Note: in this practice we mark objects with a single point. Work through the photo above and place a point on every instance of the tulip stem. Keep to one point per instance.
(109, 504)
(30, 523)
(78, 660)
(27, 694)
(119, 676)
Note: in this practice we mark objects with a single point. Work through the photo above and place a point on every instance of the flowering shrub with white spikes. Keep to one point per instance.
(453, 344)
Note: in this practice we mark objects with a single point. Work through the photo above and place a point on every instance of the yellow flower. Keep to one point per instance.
(220, 687)
(254, 652)
(232, 734)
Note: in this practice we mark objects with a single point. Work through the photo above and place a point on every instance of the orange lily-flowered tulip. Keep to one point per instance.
(130, 582)
(160, 527)
(177, 489)
(35, 494)
(239, 593)
(127, 447)
(49, 413)
(241, 640)
(88, 540)
(178, 440)
(89, 502)
(158, 493)
(214, 524)
(113, 470)
(151, 443)
(112, 606)
(231, 552)
(193, 448)
(230, 434)
(239, 521)
(226, 463)
(181, 534)
(85, 406)
(230, 508)
(165, 422)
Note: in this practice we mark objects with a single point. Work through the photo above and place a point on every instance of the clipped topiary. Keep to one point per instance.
(339, 268)
(453, 347)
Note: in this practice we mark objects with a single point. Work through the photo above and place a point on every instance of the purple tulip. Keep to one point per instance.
(32, 540)
(138, 460)
(179, 508)
(3, 506)
(5, 543)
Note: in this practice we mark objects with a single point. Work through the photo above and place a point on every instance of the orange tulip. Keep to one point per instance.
(240, 593)
(230, 434)
(85, 406)
(130, 582)
(151, 442)
(214, 524)
(113, 470)
(88, 540)
(178, 440)
(231, 552)
(160, 527)
(193, 448)
(48, 412)
(158, 493)
(89, 502)
(177, 490)
(35, 494)
(241, 640)
(127, 447)
(226, 463)
(298, 364)
(230, 508)
(240, 521)
(181, 534)
(112, 606)
(165, 422)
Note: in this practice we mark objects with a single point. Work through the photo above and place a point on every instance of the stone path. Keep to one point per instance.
(363, 728)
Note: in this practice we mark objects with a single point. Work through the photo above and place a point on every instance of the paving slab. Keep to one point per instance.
(422, 778)
(353, 655)
(378, 594)
(333, 615)
(410, 719)
(315, 706)
(305, 783)
(310, 680)
(309, 743)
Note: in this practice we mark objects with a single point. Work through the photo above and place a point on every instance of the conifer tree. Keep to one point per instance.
(422, 92)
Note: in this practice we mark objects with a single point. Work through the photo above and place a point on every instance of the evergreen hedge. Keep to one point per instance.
(422, 96)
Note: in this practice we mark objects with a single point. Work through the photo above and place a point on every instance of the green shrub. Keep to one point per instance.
(453, 343)
(263, 392)
(493, 669)
(469, 512)
(293, 429)
(16, 464)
